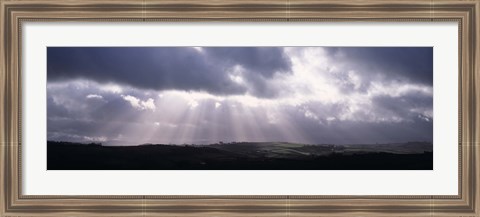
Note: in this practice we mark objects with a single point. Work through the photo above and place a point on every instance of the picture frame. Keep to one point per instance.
(14, 13)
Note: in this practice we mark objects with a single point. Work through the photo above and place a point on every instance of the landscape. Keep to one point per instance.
(241, 156)
(239, 108)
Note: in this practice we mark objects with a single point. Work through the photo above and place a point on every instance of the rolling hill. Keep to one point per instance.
(240, 156)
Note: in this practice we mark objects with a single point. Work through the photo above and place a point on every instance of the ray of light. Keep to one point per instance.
(236, 122)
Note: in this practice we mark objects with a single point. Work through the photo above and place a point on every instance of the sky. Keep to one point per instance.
(204, 95)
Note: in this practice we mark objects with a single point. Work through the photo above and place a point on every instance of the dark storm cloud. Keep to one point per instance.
(74, 116)
(264, 61)
(56, 110)
(361, 130)
(354, 132)
(405, 106)
(413, 65)
(180, 68)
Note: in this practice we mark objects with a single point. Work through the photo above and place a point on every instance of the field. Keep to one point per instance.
(240, 156)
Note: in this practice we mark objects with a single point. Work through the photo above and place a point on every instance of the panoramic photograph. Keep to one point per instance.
(239, 108)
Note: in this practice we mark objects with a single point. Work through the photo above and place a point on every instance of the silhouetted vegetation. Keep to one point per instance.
(240, 156)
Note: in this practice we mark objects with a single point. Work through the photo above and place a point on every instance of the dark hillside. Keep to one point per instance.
(239, 156)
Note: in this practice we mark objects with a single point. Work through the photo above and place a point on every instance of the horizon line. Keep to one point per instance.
(234, 142)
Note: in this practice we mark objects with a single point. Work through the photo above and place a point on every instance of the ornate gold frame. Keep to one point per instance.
(14, 12)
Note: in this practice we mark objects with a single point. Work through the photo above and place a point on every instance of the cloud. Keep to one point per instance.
(94, 96)
(189, 117)
(193, 104)
(413, 65)
(148, 104)
(263, 61)
(412, 107)
(171, 68)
